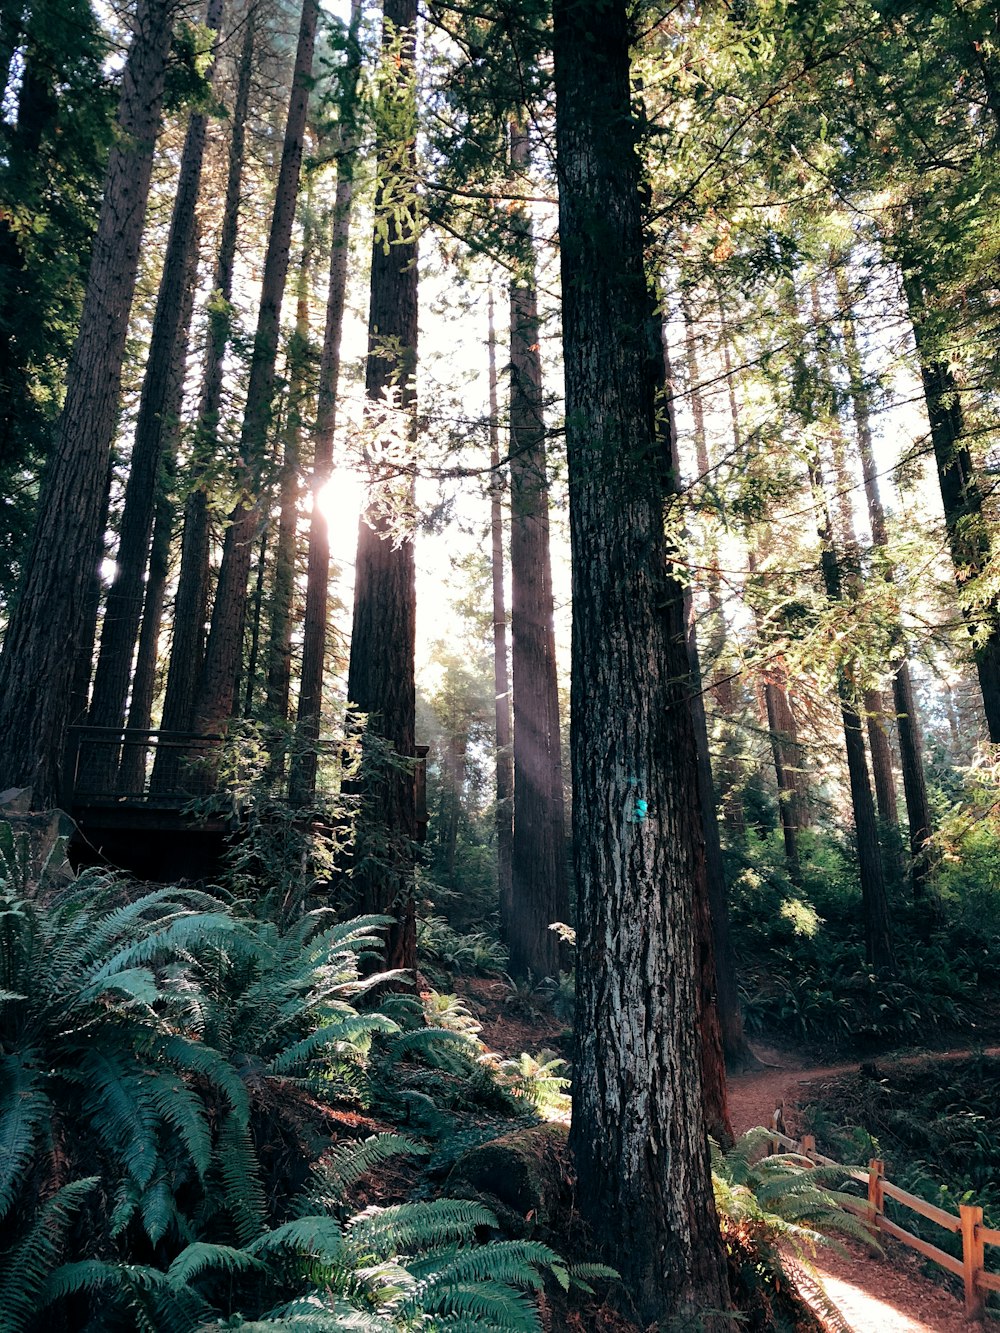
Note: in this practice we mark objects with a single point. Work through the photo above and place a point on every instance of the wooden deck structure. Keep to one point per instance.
(132, 797)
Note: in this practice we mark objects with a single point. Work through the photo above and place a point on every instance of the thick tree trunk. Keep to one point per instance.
(969, 538)
(44, 635)
(638, 1134)
(538, 876)
(381, 674)
(217, 688)
(191, 601)
(123, 607)
(302, 787)
(907, 719)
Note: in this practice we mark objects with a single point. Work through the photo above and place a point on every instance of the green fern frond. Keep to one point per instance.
(484, 1303)
(84, 1275)
(317, 1237)
(184, 1111)
(240, 1172)
(405, 1227)
(119, 1112)
(158, 1209)
(512, 1262)
(344, 1034)
(343, 1165)
(194, 1057)
(24, 1108)
(200, 1257)
(26, 1267)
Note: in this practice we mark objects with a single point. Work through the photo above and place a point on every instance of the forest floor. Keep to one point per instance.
(874, 1294)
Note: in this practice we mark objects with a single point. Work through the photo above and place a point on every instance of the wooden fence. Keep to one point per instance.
(968, 1223)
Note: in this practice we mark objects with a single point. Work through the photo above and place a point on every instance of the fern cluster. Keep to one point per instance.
(157, 1053)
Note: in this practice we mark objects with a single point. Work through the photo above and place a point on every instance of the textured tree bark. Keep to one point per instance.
(638, 1134)
(504, 752)
(302, 784)
(123, 607)
(969, 537)
(918, 811)
(539, 892)
(191, 602)
(217, 688)
(46, 628)
(380, 681)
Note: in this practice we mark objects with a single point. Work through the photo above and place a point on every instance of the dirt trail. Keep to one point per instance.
(872, 1294)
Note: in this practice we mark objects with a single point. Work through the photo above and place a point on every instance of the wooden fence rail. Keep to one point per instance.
(968, 1224)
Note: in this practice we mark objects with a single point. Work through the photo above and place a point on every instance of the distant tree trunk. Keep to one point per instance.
(132, 769)
(849, 562)
(216, 691)
(504, 753)
(722, 1018)
(256, 616)
(302, 787)
(538, 878)
(282, 599)
(790, 774)
(123, 608)
(969, 537)
(644, 1184)
(879, 950)
(381, 674)
(732, 805)
(44, 636)
(191, 601)
(907, 719)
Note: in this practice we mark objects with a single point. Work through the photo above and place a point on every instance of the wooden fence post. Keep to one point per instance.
(876, 1197)
(808, 1145)
(973, 1259)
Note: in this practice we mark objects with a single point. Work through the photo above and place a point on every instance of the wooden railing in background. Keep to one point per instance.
(968, 1224)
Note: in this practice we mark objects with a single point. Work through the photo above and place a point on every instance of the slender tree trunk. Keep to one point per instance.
(381, 673)
(732, 805)
(722, 1019)
(504, 752)
(256, 616)
(43, 639)
(789, 769)
(191, 601)
(123, 607)
(875, 903)
(640, 1147)
(303, 774)
(217, 689)
(282, 600)
(132, 769)
(538, 877)
(968, 534)
(907, 719)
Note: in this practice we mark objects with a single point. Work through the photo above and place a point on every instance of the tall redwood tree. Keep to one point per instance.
(48, 623)
(638, 1134)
